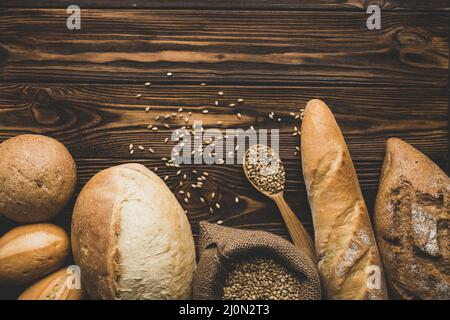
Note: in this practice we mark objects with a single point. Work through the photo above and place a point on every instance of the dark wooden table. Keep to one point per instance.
(80, 86)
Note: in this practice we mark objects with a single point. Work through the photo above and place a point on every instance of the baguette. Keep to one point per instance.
(348, 258)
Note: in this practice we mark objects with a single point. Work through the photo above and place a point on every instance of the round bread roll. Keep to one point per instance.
(37, 178)
(32, 251)
(131, 237)
(61, 285)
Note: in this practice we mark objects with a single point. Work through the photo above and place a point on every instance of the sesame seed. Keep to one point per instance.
(166, 177)
(188, 194)
(220, 93)
(239, 115)
(131, 146)
(219, 123)
(147, 84)
(147, 109)
(240, 100)
(166, 126)
(131, 152)
(202, 200)
(205, 173)
(181, 192)
(178, 172)
(292, 114)
(186, 200)
(218, 205)
(169, 74)
(151, 150)
(216, 103)
(213, 195)
(180, 110)
(157, 117)
(155, 169)
(205, 111)
(279, 119)
(220, 222)
(203, 84)
(149, 126)
(166, 139)
(141, 148)
(138, 96)
(236, 199)
(232, 105)
(211, 210)
(155, 128)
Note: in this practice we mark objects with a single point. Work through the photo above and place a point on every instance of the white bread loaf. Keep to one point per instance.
(131, 237)
(346, 250)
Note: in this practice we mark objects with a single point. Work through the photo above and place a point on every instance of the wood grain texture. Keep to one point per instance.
(223, 46)
(100, 121)
(410, 5)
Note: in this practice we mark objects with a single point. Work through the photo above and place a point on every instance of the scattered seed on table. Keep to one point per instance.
(186, 200)
(236, 199)
(166, 177)
(202, 200)
(131, 146)
(232, 105)
(138, 96)
(240, 100)
(203, 84)
(157, 117)
(147, 109)
(239, 115)
(131, 152)
(155, 128)
(166, 139)
(169, 74)
(141, 148)
(147, 84)
(220, 222)
(220, 93)
(205, 111)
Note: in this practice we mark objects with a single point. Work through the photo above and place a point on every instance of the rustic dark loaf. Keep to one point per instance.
(412, 215)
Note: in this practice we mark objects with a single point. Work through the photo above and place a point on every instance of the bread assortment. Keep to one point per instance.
(37, 178)
(32, 251)
(412, 215)
(61, 285)
(131, 237)
(345, 243)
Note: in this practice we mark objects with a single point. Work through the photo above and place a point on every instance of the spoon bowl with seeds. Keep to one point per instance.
(265, 171)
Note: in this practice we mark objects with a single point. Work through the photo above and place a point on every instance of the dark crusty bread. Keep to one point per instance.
(345, 243)
(412, 215)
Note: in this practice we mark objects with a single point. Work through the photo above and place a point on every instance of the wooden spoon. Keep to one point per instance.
(299, 235)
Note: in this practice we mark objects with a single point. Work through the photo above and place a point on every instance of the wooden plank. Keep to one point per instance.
(254, 211)
(241, 47)
(410, 5)
(100, 121)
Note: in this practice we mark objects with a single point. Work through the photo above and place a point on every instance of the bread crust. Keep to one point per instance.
(412, 215)
(54, 287)
(345, 243)
(101, 247)
(32, 251)
(37, 178)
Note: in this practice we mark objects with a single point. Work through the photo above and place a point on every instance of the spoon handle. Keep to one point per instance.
(299, 235)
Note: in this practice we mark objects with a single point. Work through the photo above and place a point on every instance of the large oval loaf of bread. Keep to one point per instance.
(131, 237)
(412, 216)
(349, 263)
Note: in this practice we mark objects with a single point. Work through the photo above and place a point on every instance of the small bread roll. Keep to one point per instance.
(30, 252)
(64, 284)
(37, 178)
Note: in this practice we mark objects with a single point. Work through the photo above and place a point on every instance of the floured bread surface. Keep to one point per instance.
(412, 217)
(131, 237)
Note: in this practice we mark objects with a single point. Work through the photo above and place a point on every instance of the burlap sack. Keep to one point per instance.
(219, 246)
